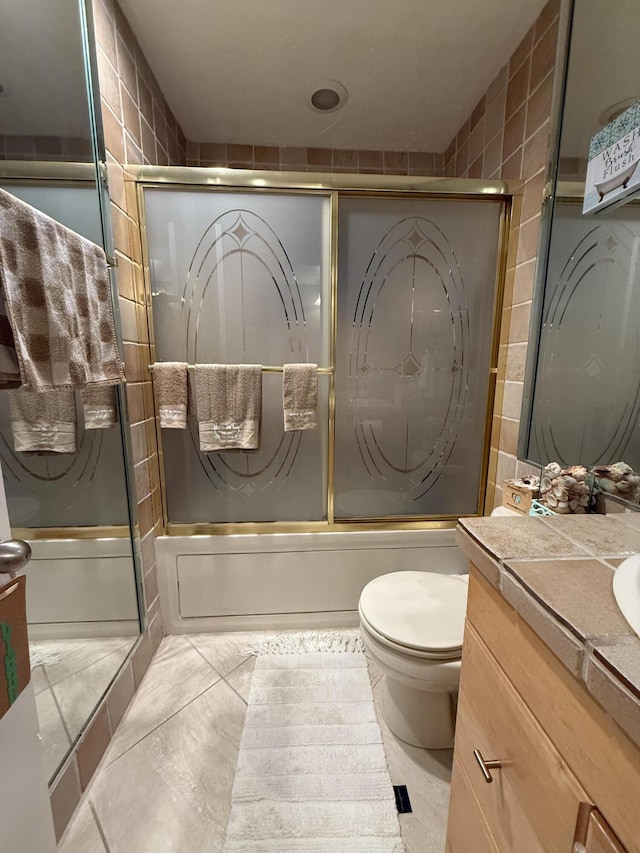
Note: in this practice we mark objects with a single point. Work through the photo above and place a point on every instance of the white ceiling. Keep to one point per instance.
(242, 70)
(604, 68)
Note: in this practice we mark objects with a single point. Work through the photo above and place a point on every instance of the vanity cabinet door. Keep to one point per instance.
(467, 829)
(531, 803)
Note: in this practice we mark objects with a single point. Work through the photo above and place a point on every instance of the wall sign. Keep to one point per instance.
(15, 670)
(613, 171)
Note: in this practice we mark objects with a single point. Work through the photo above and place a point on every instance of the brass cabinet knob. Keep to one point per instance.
(486, 766)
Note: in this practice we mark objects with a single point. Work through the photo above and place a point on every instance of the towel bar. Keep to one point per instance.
(266, 368)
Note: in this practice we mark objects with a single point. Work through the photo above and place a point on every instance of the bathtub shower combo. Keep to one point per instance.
(394, 294)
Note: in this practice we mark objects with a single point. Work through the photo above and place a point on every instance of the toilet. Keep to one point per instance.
(412, 625)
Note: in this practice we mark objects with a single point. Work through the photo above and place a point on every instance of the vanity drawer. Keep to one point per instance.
(533, 801)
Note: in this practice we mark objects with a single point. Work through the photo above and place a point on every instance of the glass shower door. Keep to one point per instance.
(243, 278)
(416, 300)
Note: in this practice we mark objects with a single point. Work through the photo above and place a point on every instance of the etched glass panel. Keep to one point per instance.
(243, 278)
(587, 389)
(416, 296)
(81, 489)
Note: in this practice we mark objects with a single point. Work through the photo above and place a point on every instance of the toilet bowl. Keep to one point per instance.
(412, 625)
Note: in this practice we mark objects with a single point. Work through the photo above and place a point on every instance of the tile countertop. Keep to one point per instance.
(557, 572)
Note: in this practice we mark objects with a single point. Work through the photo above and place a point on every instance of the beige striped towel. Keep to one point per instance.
(229, 402)
(44, 421)
(300, 396)
(171, 384)
(58, 296)
(99, 407)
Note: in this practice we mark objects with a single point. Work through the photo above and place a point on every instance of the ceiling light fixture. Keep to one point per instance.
(612, 112)
(326, 96)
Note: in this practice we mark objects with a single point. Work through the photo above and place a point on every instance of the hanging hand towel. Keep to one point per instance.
(58, 297)
(300, 396)
(99, 406)
(43, 421)
(229, 402)
(171, 386)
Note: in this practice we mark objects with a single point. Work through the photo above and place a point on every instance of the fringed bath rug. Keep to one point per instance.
(312, 774)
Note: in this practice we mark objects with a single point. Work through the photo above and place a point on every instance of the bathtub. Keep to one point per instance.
(244, 582)
(81, 588)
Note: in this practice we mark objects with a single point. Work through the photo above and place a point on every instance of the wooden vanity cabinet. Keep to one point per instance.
(560, 755)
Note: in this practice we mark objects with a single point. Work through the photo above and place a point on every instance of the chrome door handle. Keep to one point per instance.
(486, 766)
(14, 554)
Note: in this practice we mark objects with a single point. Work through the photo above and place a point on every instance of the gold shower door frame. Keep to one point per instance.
(333, 186)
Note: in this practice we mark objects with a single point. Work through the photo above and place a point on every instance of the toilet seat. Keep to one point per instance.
(420, 613)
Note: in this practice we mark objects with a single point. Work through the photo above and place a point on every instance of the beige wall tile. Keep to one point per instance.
(524, 282)
(509, 430)
(65, 795)
(544, 55)
(532, 196)
(92, 746)
(528, 240)
(519, 327)
(512, 400)
(517, 90)
(521, 53)
(539, 106)
(516, 361)
(120, 695)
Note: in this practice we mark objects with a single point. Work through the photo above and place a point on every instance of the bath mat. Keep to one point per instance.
(312, 774)
(41, 656)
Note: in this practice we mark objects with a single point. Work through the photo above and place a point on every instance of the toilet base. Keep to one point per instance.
(418, 717)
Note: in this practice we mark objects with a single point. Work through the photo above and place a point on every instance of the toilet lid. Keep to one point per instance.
(419, 610)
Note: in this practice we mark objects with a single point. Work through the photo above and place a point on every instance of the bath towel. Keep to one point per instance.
(300, 396)
(99, 406)
(44, 421)
(170, 382)
(9, 368)
(58, 296)
(229, 401)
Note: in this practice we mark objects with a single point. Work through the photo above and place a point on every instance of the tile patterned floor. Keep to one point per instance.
(68, 686)
(164, 785)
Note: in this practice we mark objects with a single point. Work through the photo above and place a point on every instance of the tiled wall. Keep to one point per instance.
(273, 158)
(48, 148)
(507, 136)
(139, 127)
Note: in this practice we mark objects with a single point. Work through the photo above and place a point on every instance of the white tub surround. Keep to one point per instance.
(252, 581)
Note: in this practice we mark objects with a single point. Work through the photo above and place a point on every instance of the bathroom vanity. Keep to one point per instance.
(547, 753)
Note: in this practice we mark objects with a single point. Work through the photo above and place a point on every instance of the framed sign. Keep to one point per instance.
(613, 171)
(15, 670)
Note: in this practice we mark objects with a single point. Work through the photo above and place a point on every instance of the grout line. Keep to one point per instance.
(195, 648)
(155, 728)
(235, 691)
(99, 825)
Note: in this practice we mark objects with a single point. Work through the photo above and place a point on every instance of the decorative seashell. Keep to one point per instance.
(577, 471)
(559, 492)
(567, 482)
(621, 468)
(551, 500)
(573, 505)
(583, 500)
(553, 469)
(624, 486)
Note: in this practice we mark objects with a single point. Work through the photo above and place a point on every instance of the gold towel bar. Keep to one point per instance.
(266, 368)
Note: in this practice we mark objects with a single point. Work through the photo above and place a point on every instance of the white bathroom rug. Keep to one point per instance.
(312, 774)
